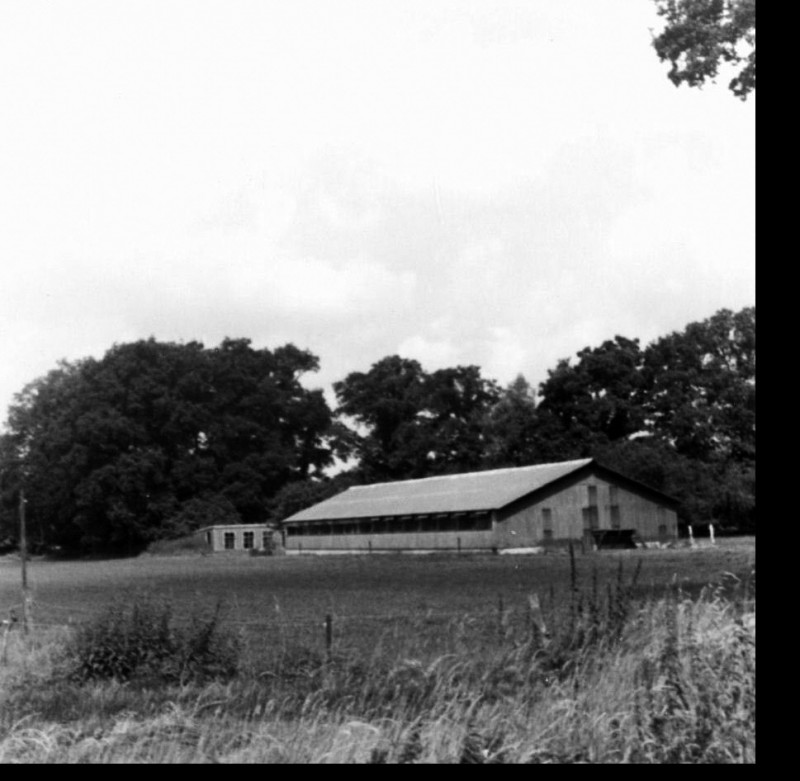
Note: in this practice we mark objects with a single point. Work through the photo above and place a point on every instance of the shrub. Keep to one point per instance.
(141, 642)
(192, 544)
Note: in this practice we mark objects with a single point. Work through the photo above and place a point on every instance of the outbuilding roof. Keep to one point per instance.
(468, 492)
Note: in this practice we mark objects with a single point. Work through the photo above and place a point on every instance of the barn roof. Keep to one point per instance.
(468, 492)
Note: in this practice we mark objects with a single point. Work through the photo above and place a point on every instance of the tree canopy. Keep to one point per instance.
(156, 439)
(413, 423)
(117, 452)
(700, 36)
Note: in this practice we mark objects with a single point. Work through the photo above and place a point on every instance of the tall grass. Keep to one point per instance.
(603, 678)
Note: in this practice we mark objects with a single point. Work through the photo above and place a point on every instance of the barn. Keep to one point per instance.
(498, 510)
(237, 537)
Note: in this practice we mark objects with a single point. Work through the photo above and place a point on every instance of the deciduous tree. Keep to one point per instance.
(114, 449)
(701, 35)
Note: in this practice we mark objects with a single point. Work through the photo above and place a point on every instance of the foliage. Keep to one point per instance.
(154, 438)
(200, 511)
(599, 399)
(512, 427)
(141, 641)
(701, 390)
(192, 544)
(299, 495)
(701, 35)
(416, 424)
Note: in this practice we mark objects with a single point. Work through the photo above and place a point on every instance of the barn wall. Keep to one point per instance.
(468, 540)
(522, 524)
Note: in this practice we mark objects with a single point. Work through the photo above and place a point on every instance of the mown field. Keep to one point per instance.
(647, 656)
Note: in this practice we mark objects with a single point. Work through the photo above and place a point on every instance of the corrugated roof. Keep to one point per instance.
(472, 491)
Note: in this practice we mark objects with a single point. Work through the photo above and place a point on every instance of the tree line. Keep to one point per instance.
(156, 439)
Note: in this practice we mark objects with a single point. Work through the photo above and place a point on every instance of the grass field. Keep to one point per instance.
(307, 587)
(434, 658)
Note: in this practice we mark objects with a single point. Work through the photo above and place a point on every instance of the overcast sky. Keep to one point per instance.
(498, 182)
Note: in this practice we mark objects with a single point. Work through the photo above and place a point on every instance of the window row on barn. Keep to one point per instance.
(451, 522)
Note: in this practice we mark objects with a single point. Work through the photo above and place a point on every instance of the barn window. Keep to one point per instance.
(449, 524)
(591, 520)
(592, 495)
(230, 540)
(427, 524)
(474, 522)
(249, 539)
(208, 538)
(662, 531)
(266, 540)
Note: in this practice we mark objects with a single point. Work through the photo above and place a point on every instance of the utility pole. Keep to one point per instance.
(23, 555)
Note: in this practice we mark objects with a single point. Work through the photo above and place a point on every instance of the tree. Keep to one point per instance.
(386, 403)
(512, 427)
(702, 35)
(596, 401)
(415, 424)
(118, 451)
(701, 388)
(300, 494)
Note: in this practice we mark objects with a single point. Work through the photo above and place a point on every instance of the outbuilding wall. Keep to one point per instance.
(214, 537)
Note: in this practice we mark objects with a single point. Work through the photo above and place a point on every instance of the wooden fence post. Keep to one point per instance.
(328, 636)
(499, 616)
(573, 575)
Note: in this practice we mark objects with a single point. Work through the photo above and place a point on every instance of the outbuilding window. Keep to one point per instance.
(230, 540)
(249, 539)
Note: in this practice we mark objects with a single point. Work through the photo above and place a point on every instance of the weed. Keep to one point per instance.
(142, 642)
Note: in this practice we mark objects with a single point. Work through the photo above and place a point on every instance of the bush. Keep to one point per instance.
(201, 511)
(141, 642)
(191, 544)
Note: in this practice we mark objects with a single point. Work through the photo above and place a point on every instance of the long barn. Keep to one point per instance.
(501, 509)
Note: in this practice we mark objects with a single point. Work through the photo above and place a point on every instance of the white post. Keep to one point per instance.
(691, 536)
(711, 532)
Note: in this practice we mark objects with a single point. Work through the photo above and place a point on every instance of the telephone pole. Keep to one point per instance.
(23, 555)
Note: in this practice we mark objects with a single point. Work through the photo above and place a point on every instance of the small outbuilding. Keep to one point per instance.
(503, 509)
(238, 537)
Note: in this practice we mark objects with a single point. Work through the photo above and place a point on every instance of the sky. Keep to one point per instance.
(491, 182)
